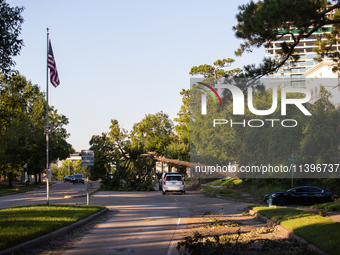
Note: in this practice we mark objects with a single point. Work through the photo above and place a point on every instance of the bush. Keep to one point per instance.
(130, 182)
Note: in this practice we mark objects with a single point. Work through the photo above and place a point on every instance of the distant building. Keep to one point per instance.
(292, 73)
(322, 75)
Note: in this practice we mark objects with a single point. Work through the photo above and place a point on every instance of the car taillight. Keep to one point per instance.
(182, 182)
(335, 195)
(164, 181)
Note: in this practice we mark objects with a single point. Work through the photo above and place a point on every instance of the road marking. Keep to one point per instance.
(176, 199)
(173, 243)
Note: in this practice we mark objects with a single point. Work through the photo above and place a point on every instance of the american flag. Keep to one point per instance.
(53, 67)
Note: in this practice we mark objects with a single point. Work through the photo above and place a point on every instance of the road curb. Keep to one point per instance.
(58, 232)
(80, 195)
(286, 232)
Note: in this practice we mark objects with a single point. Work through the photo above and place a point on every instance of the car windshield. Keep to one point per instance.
(173, 178)
(78, 175)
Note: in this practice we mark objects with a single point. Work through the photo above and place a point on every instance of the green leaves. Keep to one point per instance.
(22, 122)
(216, 71)
(10, 29)
(285, 21)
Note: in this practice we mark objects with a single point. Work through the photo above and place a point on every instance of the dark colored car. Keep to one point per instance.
(78, 178)
(302, 195)
(68, 178)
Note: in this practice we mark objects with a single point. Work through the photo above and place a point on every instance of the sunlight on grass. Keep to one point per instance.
(22, 223)
(320, 231)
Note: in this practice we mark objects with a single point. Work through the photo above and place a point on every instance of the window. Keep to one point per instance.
(312, 189)
(173, 178)
(302, 189)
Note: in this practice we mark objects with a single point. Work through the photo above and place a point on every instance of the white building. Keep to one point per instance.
(322, 75)
(292, 73)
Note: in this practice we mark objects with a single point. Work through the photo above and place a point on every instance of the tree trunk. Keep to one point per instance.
(35, 178)
(39, 177)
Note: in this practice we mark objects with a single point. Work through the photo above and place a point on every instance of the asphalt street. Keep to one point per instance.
(142, 223)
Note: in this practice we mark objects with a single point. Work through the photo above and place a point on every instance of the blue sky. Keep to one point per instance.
(123, 59)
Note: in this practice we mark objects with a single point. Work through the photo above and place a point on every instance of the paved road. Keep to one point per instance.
(57, 192)
(143, 223)
(147, 222)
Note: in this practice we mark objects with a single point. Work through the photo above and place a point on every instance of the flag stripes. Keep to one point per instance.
(51, 64)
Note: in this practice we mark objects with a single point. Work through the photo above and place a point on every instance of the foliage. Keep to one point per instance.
(22, 121)
(154, 132)
(321, 134)
(130, 182)
(263, 22)
(119, 155)
(10, 29)
(315, 139)
(74, 166)
(103, 157)
(217, 70)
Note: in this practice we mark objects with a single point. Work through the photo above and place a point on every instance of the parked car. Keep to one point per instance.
(302, 195)
(68, 178)
(78, 178)
(173, 183)
(160, 186)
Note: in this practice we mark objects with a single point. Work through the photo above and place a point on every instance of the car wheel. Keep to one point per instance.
(183, 192)
(280, 201)
(164, 192)
(73, 183)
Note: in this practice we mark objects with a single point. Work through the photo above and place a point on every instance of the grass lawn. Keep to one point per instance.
(335, 206)
(223, 192)
(320, 231)
(22, 223)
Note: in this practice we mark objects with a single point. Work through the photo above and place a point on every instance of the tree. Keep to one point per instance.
(264, 22)
(10, 29)
(155, 132)
(217, 70)
(22, 120)
(183, 127)
(321, 134)
(103, 156)
(179, 148)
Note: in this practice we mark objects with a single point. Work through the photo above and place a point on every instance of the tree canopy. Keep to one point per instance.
(22, 121)
(10, 29)
(263, 22)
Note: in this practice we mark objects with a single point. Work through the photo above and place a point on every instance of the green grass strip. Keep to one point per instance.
(223, 192)
(22, 223)
(335, 206)
(320, 231)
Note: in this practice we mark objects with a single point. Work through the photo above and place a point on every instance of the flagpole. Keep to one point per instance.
(47, 130)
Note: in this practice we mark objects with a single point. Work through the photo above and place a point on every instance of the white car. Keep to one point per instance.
(161, 180)
(173, 183)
